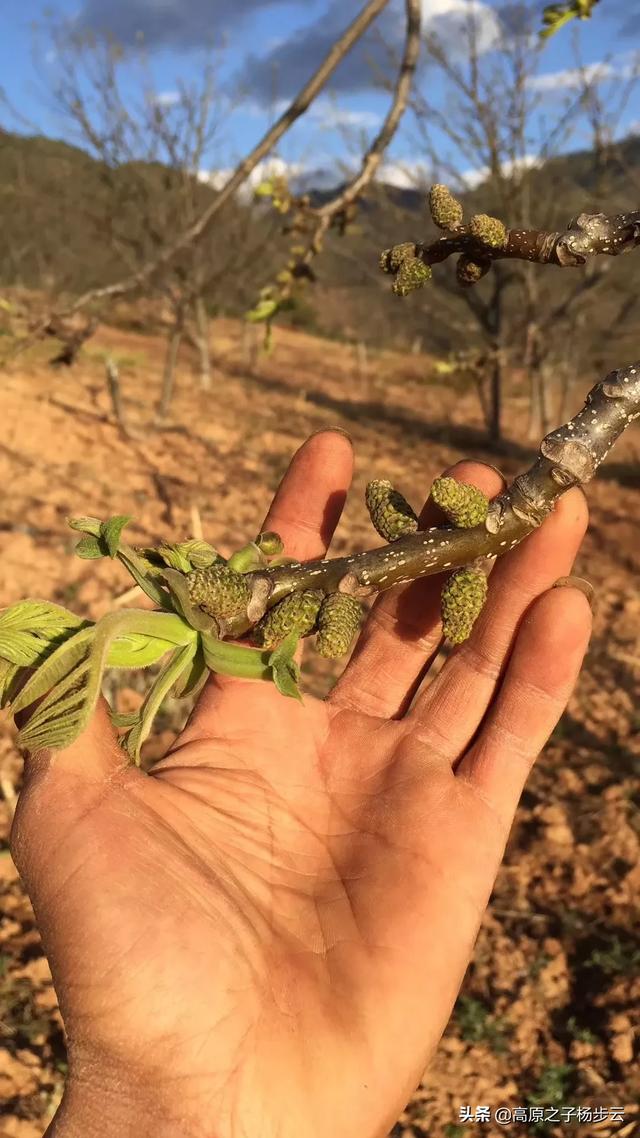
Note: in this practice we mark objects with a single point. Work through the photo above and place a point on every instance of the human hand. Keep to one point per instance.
(265, 935)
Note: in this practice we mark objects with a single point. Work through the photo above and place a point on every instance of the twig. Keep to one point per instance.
(569, 456)
(339, 209)
(115, 393)
(588, 235)
(331, 210)
(297, 107)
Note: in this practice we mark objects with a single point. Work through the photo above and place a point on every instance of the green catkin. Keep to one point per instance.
(446, 211)
(465, 506)
(391, 259)
(469, 271)
(338, 622)
(489, 230)
(412, 274)
(220, 592)
(390, 513)
(296, 613)
(462, 601)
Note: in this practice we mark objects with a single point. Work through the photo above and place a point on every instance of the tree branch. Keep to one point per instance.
(314, 223)
(586, 236)
(569, 456)
(299, 105)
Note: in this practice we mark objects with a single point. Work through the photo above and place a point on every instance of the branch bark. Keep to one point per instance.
(339, 208)
(569, 456)
(588, 235)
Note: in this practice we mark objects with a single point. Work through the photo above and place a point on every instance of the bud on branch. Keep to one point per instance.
(486, 239)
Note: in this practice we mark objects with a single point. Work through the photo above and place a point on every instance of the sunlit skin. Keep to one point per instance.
(265, 935)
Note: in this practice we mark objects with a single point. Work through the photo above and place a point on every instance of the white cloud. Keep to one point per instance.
(167, 98)
(404, 175)
(333, 118)
(618, 68)
(271, 167)
(449, 18)
(472, 178)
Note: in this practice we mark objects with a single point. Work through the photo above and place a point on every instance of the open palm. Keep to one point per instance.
(266, 934)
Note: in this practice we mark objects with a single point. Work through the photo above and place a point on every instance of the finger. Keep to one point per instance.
(309, 501)
(539, 679)
(305, 512)
(403, 629)
(450, 710)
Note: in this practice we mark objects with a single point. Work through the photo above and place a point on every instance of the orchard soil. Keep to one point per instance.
(549, 1009)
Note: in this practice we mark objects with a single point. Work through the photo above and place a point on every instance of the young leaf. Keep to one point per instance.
(136, 567)
(126, 719)
(46, 616)
(194, 677)
(8, 675)
(30, 630)
(264, 310)
(247, 559)
(58, 665)
(89, 548)
(69, 682)
(111, 530)
(85, 525)
(135, 651)
(235, 659)
(284, 670)
(286, 676)
(170, 675)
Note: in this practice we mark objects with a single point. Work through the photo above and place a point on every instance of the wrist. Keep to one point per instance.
(119, 1112)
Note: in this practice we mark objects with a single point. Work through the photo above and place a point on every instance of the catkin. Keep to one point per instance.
(220, 592)
(390, 513)
(338, 622)
(296, 613)
(465, 506)
(462, 601)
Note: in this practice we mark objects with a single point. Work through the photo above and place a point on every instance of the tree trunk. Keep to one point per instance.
(202, 337)
(115, 393)
(548, 417)
(566, 392)
(170, 360)
(250, 347)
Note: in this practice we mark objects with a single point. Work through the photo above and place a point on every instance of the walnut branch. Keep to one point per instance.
(569, 456)
(313, 223)
(487, 239)
(586, 236)
(327, 213)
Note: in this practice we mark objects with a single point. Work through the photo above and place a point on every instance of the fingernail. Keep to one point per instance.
(496, 468)
(481, 462)
(579, 583)
(325, 430)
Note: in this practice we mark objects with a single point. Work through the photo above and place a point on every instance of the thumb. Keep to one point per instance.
(60, 786)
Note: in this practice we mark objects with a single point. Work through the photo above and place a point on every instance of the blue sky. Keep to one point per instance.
(270, 46)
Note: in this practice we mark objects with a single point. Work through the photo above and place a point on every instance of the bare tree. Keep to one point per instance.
(174, 257)
(491, 128)
(152, 152)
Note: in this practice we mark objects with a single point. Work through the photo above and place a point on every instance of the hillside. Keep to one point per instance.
(546, 1011)
(68, 222)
